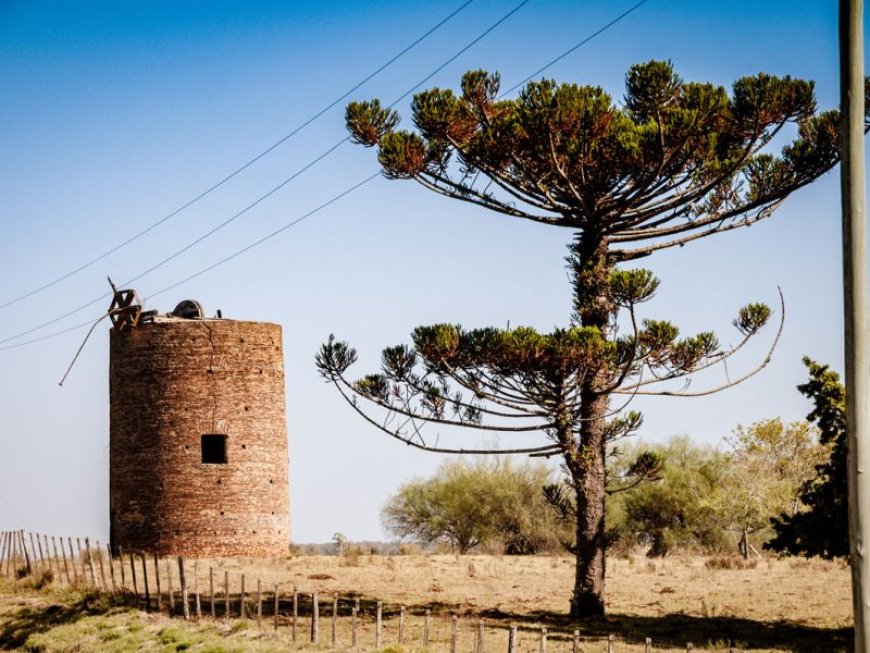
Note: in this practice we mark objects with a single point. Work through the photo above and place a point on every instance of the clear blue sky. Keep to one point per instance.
(114, 114)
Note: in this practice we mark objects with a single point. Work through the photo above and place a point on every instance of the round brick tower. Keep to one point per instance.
(198, 438)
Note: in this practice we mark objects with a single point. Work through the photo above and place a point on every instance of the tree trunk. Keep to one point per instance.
(587, 599)
(593, 308)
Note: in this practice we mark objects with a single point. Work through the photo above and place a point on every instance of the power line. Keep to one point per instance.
(240, 169)
(575, 47)
(271, 191)
(208, 268)
(330, 201)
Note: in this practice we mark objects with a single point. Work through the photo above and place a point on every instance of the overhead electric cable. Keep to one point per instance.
(297, 220)
(575, 47)
(240, 169)
(226, 259)
(271, 191)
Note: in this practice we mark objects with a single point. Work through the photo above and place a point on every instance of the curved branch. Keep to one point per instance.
(764, 363)
(424, 447)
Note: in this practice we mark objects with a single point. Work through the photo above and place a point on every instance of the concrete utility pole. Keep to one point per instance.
(857, 319)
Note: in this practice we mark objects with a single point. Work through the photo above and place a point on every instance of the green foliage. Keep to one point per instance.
(821, 529)
(491, 501)
(675, 512)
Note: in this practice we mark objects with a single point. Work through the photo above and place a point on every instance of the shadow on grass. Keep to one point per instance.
(18, 625)
(676, 630)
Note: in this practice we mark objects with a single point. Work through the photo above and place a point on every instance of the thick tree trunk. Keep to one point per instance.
(587, 599)
(593, 308)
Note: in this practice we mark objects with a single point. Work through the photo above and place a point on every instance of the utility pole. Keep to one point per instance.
(857, 320)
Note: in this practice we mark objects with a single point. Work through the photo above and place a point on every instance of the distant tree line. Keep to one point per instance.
(776, 485)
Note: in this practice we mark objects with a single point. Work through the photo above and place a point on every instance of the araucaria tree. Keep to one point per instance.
(677, 161)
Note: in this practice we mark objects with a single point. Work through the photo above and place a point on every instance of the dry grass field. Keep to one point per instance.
(777, 605)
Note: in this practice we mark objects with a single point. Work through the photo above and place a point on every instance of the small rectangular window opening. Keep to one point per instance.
(214, 449)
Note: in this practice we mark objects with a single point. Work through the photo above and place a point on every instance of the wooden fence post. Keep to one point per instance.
(647, 645)
(145, 583)
(211, 592)
(196, 589)
(226, 595)
(401, 623)
(575, 648)
(259, 605)
(133, 577)
(480, 629)
(72, 559)
(170, 594)
(45, 561)
(610, 644)
(58, 558)
(334, 619)
(353, 615)
(315, 619)
(52, 563)
(243, 609)
(157, 590)
(99, 550)
(275, 613)
(120, 565)
(185, 605)
(91, 563)
(111, 567)
(27, 558)
(378, 623)
(36, 562)
(543, 640)
(295, 612)
(454, 625)
(512, 640)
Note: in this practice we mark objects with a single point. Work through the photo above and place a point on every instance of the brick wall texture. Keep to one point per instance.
(171, 382)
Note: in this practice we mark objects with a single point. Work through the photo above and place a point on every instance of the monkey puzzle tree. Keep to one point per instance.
(676, 162)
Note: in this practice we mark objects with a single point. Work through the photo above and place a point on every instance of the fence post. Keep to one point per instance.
(120, 564)
(36, 563)
(91, 563)
(378, 619)
(211, 592)
(401, 623)
(145, 582)
(480, 629)
(72, 559)
(196, 589)
(295, 611)
(512, 640)
(647, 645)
(426, 627)
(27, 560)
(226, 595)
(51, 563)
(315, 619)
(170, 594)
(157, 583)
(43, 560)
(243, 609)
(543, 640)
(99, 550)
(334, 619)
(259, 605)
(133, 577)
(63, 554)
(353, 614)
(275, 595)
(454, 623)
(576, 643)
(185, 605)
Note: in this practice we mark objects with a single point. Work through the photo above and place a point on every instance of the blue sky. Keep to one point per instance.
(115, 114)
